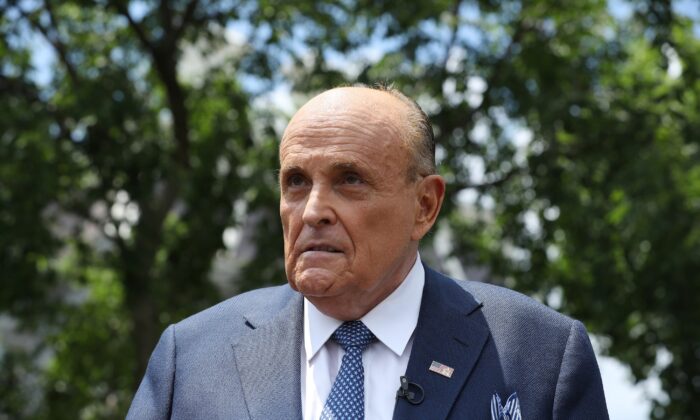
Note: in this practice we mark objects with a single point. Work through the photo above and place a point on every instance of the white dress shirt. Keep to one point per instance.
(392, 321)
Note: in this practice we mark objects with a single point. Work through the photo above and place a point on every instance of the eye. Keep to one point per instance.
(352, 178)
(296, 180)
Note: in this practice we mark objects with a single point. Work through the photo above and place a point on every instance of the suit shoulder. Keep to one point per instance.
(507, 310)
(500, 301)
(510, 302)
(523, 330)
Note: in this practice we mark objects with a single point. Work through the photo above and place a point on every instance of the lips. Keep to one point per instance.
(319, 245)
(322, 249)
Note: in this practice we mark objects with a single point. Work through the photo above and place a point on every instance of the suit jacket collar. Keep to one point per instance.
(268, 359)
(446, 333)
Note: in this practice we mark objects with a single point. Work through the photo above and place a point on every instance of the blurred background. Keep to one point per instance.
(138, 155)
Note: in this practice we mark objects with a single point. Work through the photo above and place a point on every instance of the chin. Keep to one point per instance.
(314, 282)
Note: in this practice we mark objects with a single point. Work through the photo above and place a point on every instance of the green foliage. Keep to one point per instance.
(569, 141)
(94, 329)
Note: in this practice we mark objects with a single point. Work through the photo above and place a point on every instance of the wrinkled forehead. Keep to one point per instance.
(346, 126)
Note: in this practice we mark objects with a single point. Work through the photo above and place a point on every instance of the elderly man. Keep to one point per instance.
(364, 329)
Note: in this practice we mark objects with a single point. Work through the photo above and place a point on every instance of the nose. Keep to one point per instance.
(318, 209)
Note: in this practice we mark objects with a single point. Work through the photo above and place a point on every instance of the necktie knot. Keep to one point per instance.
(353, 334)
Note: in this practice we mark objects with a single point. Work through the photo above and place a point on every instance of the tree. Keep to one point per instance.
(568, 139)
(136, 172)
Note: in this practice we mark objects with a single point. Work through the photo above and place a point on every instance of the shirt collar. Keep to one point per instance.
(403, 304)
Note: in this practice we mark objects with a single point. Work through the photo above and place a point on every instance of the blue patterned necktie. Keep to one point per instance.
(347, 397)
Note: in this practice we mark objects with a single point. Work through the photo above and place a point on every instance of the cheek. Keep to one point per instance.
(292, 226)
(373, 228)
(287, 217)
(387, 230)
(287, 230)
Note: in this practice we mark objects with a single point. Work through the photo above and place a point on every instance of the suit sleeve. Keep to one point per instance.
(579, 393)
(153, 400)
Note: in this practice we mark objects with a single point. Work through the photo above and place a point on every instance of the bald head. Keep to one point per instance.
(399, 116)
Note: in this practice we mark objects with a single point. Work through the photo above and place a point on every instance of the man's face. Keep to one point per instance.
(347, 206)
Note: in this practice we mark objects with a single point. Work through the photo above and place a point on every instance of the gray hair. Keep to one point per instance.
(419, 132)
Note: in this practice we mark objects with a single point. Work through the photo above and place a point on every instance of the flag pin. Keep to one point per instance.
(441, 369)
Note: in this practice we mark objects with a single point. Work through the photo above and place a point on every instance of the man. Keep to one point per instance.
(358, 192)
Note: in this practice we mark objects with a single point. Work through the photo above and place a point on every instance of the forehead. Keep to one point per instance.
(353, 133)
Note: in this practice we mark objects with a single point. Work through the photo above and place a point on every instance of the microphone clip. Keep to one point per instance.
(410, 391)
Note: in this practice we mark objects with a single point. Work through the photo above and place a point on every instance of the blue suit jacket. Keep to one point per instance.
(241, 359)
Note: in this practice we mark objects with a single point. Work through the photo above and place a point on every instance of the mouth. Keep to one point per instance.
(322, 248)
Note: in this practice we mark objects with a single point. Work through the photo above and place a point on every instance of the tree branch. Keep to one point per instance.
(166, 17)
(165, 64)
(140, 33)
(498, 65)
(54, 39)
(453, 36)
(187, 18)
(59, 46)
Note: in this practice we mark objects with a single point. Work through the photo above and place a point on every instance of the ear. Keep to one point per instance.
(430, 193)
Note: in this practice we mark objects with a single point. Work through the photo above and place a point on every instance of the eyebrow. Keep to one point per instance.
(291, 168)
(336, 166)
(345, 166)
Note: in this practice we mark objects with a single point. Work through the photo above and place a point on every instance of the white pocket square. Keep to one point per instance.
(510, 411)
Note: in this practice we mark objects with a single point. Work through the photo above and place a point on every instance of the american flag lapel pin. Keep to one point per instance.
(441, 369)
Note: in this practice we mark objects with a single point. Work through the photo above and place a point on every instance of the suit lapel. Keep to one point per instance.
(446, 334)
(268, 360)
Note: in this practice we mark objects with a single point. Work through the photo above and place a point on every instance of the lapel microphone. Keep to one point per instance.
(410, 391)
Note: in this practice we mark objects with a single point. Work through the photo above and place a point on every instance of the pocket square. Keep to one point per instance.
(511, 411)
